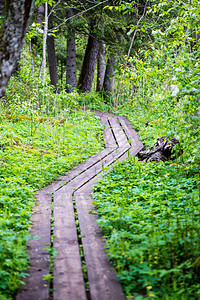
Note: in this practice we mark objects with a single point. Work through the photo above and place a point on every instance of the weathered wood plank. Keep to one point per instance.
(62, 180)
(110, 145)
(53, 186)
(57, 184)
(36, 287)
(87, 188)
(93, 171)
(102, 279)
(68, 276)
(119, 133)
(108, 135)
(132, 135)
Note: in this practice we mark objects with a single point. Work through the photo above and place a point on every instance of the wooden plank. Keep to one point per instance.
(108, 135)
(82, 168)
(109, 115)
(92, 161)
(119, 133)
(35, 287)
(42, 199)
(93, 171)
(132, 135)
(110, 145)
(68, 277)
(87, 188)
(42, 230)
(63, 180)
(56, 184)
(103, 282)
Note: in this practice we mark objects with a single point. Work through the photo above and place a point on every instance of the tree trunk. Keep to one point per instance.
(109, 78)
(12, 32)
(40, 14)
(71, 56)
(100, 66)
(89, 64)
(2, 5)
(45, 41)
(62, 67)
(52, 57)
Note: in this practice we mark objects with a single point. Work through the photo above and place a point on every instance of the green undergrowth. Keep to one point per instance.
(150, 216)
(166, 116)
(35, 150)
(150, 213)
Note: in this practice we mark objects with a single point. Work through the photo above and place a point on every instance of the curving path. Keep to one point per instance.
(65, 209)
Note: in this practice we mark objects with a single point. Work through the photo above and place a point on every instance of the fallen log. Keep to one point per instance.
(162, 150)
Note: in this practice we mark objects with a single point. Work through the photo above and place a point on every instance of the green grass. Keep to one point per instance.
(34, 152)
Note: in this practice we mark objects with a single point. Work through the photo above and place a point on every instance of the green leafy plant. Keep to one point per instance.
(150, 217)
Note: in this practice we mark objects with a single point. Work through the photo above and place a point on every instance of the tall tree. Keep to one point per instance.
(16, 16)
(45, 40)
(71, 55)
(109, 78)
(40, 14)
(89, 62)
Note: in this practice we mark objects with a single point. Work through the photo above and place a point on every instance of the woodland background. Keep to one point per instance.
(134, 58)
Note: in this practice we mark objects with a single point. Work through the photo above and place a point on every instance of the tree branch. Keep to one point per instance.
(67, 19)
(136, 28)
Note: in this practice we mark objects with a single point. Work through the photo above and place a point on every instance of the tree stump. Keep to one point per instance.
(162, 150)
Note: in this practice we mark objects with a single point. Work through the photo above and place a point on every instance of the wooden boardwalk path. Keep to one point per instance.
(66, 205)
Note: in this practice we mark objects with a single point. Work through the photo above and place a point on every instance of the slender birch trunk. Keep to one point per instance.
(71, 55)
(45, 41)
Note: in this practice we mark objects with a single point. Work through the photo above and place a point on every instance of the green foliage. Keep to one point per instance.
(41, 137)
(160, 93)
(39, 2)
(30, 159)
(150, 212)
(150, 216)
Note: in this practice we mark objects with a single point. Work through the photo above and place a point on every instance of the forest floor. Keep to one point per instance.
(68, 257)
